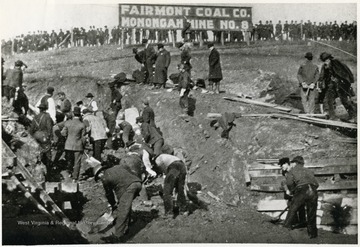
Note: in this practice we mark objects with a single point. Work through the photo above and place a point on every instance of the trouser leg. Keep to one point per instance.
(122, 213)
(158, 147)
(169, 184)
(297, 202)
(77, 164)
(311, 207)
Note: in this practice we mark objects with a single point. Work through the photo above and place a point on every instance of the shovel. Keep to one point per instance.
(103, 223)
(277, 219)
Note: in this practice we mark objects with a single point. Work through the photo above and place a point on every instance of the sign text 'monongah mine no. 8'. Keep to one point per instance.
(173, 17)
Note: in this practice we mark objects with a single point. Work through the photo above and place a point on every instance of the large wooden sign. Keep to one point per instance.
(175, 16)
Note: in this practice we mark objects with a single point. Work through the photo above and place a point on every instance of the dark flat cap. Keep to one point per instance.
(324, 56)
(210, 45)
(89, 95)
(298, 160)
(309, 55)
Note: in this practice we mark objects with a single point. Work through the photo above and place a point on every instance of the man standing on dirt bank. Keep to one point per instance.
(122, 180)
(175, 171)
(161, 66)
(147, 115)
(308, 74)
(150, 58)
(338, 79)
(75, 132)
(215, 73)
(304, 192)
(49, 101)
(13, 81)
(116, 97)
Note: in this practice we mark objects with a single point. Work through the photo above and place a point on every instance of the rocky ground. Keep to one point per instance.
(217, 169)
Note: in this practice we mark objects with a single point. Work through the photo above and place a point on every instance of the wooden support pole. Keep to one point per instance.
(201, 44)
(173, 37)
(222, 39)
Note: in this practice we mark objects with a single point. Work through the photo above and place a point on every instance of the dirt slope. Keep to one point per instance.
(221, 163)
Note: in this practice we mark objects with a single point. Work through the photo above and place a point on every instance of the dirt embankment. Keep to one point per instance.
(217, 164)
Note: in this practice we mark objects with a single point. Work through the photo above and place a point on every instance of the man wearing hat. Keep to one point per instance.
(48, 100)
(41, 130)
(337, 78)
(116, 97)
(14, 80)
(162, 63)
(147, 115)
(140, 57)
(91, 103)
(215, 73)
(121, 180)
(75, 132)
(308, 74)
(300, 218)
(303, 187)
(126, 131)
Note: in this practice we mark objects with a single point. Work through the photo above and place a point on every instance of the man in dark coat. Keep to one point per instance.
(127, 132)
(152, 138)
(75, 132)
(122, 184)
(304, 190)
(14, 80)
(338, 78)
(41, 130)
(64, 106)
(161, 66)
(116, 97)
(215, 73)
(150, 58)
(147, 115)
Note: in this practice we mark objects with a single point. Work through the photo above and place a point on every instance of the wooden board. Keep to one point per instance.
(318, 121)
(255, 102)
(341, 185)
(276, 171)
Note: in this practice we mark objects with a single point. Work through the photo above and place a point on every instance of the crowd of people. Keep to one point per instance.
(97, 36)
(304, 30)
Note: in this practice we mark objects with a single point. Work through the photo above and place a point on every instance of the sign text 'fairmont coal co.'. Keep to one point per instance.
(174, 17)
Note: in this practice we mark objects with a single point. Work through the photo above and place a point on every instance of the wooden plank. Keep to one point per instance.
(265, 173)
(349, 230)
(260, 103)
(347, 169)
(326, 197)
(272, 171)
(336, 161)
(318, 121)
(331, 162)
(272, 205)
(247, 174)
(341, 185)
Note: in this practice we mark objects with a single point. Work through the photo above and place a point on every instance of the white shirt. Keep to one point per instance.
(51, 108)
(164, 160)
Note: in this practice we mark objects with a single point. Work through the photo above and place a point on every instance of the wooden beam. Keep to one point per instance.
(341, 185)
(339, 161)
(318, 121)
(274, 171)
(255, 102)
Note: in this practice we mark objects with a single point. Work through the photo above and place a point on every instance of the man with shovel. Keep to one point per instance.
(304, 185)
(122, 180)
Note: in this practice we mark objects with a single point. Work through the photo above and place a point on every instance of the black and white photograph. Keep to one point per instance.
(179, 122)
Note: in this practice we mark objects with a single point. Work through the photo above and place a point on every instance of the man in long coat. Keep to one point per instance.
(161, 66)
(215, 73)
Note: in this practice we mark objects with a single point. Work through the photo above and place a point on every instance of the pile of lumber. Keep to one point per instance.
(265, 176)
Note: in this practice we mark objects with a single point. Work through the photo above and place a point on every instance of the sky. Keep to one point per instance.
(22, 16)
